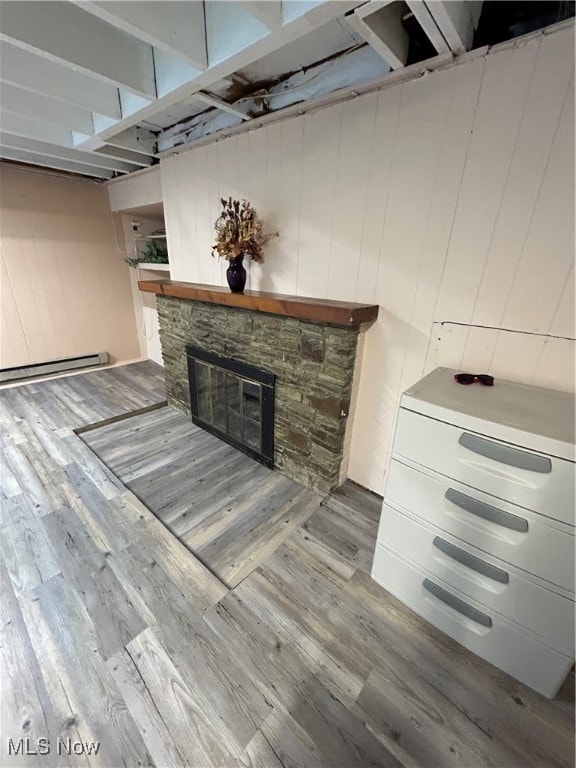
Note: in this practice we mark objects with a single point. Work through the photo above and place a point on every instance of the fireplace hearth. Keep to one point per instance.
(233, 347)
(233, 401)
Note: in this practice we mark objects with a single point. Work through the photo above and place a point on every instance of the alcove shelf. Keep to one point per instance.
(150, 267)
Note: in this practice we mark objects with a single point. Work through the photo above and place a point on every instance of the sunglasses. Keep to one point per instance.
(470, 378)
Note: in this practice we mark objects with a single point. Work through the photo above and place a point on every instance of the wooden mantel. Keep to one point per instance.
(301, 307)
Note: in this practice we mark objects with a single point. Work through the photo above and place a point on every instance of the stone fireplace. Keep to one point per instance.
(310, 348)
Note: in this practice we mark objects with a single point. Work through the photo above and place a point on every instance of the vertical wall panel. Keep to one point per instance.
(530, 156)
(448, 201)
(555, 367)
(421, 125)
(515, 355)
(563, 320)
(262, 276)
(320, 149)
(547, 255)
(353, 165)
(65, 286)
(463, 85)
(478, 350)
(499, 111)
(256, 191)
(412, 180)
(280, 269)
(382, 156)
(14, 342)
(204, 210)
(212, 188)
(19, 256)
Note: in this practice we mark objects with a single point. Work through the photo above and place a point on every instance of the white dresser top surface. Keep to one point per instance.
(537, 418)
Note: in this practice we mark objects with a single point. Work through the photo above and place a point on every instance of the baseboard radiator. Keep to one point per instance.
(52, 366)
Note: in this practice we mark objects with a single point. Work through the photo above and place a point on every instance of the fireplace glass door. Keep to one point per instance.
(233, 401)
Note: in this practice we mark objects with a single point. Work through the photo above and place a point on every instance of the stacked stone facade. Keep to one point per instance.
(314, 368)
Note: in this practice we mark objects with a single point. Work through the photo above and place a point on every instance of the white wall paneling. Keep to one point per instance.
(532, 358)
(445, 200)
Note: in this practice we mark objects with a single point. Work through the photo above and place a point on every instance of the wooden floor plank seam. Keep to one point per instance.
(120, 417)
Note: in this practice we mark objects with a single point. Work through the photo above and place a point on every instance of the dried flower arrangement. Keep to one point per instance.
(239, 231)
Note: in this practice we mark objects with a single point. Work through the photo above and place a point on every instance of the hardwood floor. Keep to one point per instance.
(113, 632)
(230, 511)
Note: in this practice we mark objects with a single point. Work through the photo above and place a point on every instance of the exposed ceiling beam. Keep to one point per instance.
(316, 17)
(293, 9)
(136, 140)
(10, 141)
(134, 158)
(25, 70)
(456, 20)
(63, 32)
(171, 73)
(214, 101)
(33, 104)
(100, 122)
(175, 27)
(230, 28)
(131, 103)
(269, 12)
(423, 16)
(33, 128)
(379, 22)
(51, 162)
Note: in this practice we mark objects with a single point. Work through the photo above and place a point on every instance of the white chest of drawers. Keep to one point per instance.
(477, 526)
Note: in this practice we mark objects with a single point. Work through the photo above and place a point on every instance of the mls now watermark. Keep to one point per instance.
(44, 746)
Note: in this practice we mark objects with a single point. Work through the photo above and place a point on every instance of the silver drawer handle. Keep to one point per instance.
(459, 605)
(471, 561)
(505, 454)
(486, 511)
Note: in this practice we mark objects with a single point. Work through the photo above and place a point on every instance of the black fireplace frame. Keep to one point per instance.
(266, 379)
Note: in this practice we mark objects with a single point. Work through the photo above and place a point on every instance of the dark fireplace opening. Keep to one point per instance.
(233, 401)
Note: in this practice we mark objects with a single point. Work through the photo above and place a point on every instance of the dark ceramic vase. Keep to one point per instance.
(236, 274)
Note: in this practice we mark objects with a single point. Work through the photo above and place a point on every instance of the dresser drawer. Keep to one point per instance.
(538, 482)
(487, 580)
(508, 533)
(491, 636)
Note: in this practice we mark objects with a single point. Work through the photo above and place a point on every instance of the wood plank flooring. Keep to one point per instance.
(122, 649)
(230, 511)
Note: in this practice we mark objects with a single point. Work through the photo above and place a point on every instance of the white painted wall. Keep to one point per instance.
(448, 201)
(65, 289)
(135, 190)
